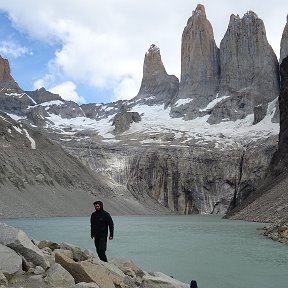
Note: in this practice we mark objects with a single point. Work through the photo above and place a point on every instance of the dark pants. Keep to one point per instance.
(101, 246)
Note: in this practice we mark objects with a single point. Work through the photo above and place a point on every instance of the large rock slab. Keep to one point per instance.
(10, 261)
(18, 241)
(85, 271)
(77, 254)
(57, 276)
(127, 266)
(122, 121)
(161, 280)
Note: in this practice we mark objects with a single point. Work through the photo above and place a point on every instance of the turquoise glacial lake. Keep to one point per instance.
(216, 252)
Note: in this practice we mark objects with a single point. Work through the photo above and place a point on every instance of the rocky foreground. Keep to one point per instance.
(277, 231)
(33, 264)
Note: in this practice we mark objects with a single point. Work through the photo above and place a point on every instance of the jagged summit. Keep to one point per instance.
(241, 77)
(157, 87)
(248, 63)
(200, 68)
(153, 65)
(199, 11)
(42, 95)
(153, 49)
(250, 15)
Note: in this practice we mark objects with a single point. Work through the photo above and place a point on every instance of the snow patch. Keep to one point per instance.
(181, 102)
(50, 103)
(32, 141)
(20, 95)
(213, 103)
(18, 129)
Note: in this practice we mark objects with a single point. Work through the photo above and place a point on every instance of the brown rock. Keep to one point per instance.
(85, 271)
(6, 80)
(122, 121)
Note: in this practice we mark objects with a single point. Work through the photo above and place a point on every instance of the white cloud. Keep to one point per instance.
(127, 88)
(47, 81)
(12, 49)
(67, 91)
(103, 42)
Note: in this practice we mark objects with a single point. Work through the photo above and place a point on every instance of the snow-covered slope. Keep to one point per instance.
(158, 127)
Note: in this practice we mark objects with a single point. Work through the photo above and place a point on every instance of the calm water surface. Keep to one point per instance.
(218, 253)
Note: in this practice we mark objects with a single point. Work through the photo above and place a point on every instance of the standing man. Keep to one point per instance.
(100, 222)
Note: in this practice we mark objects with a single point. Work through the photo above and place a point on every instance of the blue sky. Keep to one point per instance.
(92, 51)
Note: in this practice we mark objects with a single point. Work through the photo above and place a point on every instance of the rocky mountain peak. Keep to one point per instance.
(200, 68)
(199, 11)
(6, 81)
(42, 95)
(153, 65)
(199, 54)
(247, 59)
(249, 70)
(250, 15)
(157, 87)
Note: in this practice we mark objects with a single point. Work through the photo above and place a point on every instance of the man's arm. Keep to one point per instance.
(91, 229)
(111, 227)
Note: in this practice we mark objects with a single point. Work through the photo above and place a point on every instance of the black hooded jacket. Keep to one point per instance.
(100, 222)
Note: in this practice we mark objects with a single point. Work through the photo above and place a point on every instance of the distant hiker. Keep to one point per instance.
(100, 222)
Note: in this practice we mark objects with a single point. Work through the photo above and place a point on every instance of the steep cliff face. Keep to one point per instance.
(248, 62)
(200, 68)
(186, 180)
(269, 202)
(279, 162)
(249, 69)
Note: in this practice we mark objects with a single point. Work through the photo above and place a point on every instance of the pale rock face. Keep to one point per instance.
(248, 62)
(18, 241)
(160, 280)
(57, 276)
(10, 261)
(200, 68)
(249, 70)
